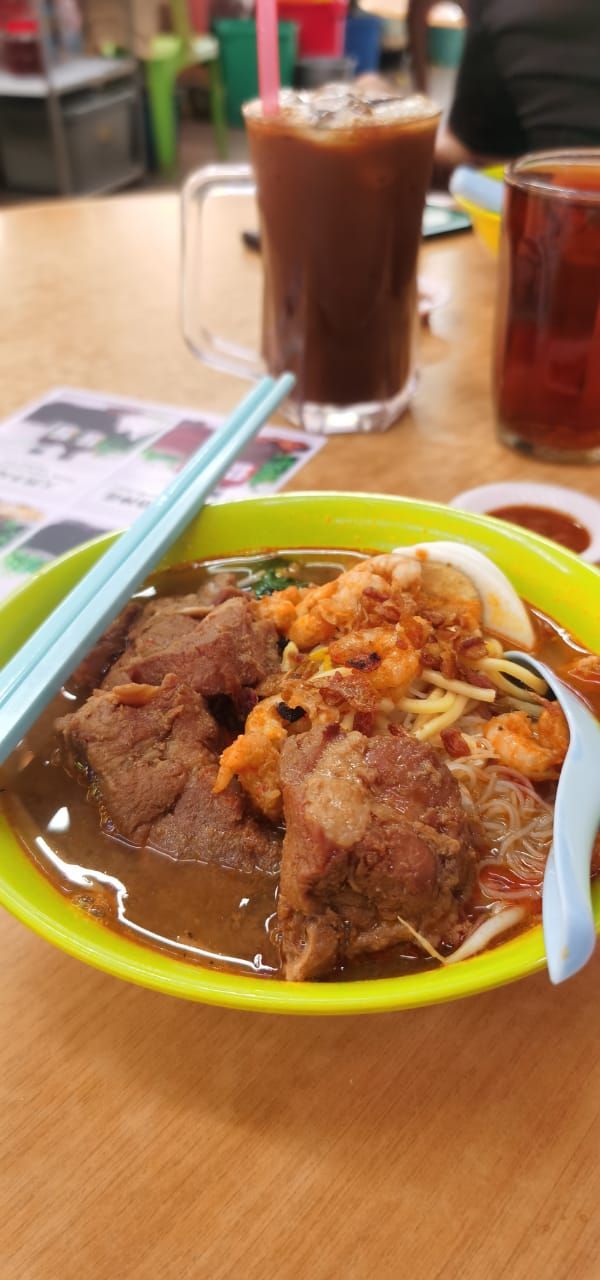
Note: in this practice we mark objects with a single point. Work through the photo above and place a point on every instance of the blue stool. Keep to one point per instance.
(363, 42)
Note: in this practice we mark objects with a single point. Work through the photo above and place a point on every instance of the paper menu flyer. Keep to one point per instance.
(75, 464)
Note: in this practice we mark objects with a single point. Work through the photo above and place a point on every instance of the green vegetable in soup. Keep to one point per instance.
(272, 580)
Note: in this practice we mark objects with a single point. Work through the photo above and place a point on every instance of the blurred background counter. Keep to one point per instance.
(97, 95)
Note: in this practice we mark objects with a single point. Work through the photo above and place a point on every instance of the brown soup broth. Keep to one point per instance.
(202, 913)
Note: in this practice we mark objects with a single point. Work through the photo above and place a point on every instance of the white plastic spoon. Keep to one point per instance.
(569, 930)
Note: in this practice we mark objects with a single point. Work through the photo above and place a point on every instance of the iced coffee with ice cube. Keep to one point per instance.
(342, 175)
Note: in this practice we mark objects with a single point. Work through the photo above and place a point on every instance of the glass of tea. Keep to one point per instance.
(547, 349)
(340, 176)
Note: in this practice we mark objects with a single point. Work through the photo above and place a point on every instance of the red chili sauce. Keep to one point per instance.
(547, 522)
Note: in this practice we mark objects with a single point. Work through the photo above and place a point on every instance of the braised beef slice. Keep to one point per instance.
(142, 626)
(147, 751)
(159, 625)
(109, 647)
(164, 619)
(375, 830)
(226, 652)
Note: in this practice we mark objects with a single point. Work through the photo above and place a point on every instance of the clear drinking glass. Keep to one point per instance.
(341, 182)
(547, 361)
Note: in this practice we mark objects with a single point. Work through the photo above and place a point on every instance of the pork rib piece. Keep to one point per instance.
(376, 834)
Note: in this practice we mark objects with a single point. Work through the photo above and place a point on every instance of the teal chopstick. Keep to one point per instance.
(37, 671)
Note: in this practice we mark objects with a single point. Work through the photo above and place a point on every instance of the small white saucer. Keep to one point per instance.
(579, 506)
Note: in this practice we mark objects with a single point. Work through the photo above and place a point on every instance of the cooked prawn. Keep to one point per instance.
(587, 668)
(383, 654)
(280, 607)
(402, 571)
(371, 591)
(536, 749)
(254, 756)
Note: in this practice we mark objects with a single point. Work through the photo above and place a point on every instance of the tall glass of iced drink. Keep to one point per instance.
(547, 362)
(341, 177)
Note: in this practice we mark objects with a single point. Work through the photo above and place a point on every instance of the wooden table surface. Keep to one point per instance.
(145, 1137)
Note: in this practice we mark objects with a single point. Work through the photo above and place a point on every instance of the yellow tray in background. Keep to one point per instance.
(486, 224)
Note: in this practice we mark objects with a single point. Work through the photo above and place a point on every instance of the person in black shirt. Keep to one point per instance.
(529, 80)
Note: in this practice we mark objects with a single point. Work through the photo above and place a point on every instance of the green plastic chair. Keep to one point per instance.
(169, 56)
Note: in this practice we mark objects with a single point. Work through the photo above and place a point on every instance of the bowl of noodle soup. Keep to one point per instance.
(435, 708)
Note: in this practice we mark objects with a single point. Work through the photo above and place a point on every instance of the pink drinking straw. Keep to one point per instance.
(267, 44)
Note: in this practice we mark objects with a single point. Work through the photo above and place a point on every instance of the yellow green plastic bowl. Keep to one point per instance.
(543, 573)
(486, 224)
